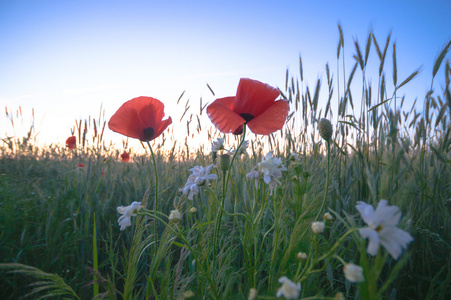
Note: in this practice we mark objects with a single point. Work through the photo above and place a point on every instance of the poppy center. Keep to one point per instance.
(247, 116)
(148, 133)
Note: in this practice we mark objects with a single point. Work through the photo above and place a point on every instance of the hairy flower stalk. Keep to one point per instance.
(325, 131)
(225, 182)
(155, 225)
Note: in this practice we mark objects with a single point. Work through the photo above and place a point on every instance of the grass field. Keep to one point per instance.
(59, 232)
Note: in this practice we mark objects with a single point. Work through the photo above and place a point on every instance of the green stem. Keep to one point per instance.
(225, 183)
(155, 228)
(327, 183)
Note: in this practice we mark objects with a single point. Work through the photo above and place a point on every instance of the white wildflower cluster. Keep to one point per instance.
(289, 289)
(242, 149)
(382, 228)
(199, 176)
(270, 169)
(127, 212)
(217, 145)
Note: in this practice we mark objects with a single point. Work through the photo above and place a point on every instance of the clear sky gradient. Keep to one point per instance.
(66, 58)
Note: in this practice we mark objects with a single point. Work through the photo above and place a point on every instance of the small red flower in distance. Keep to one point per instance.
(80, 166)
(140, 118)
(71, 142)
(254, 104)
(125, 156)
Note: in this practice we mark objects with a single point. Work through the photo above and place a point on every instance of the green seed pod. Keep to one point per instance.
(325, 129)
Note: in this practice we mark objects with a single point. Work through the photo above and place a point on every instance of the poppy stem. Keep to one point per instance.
(155, 228)
(225, 184)
(327, 183)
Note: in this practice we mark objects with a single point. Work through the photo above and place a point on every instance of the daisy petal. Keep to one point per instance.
(373, 237)
(395, 240)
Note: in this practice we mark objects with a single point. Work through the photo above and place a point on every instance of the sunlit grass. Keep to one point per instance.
(379, 149)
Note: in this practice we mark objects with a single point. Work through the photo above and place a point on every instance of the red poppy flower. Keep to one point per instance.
(71, 142)
(80, 166)
(254, 104)
(125, 156)
(140, 118)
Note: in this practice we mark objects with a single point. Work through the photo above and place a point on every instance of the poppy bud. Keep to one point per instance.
(224, 162)
(325, 129)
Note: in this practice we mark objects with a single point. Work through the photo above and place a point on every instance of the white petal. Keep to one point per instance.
(395, 240)
(367, 213)
(373, 244)
(121, 209)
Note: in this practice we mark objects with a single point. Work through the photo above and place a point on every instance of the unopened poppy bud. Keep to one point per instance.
(193, 210)
(325, 129)
(224, 162)
(328, 217)
(302, 256)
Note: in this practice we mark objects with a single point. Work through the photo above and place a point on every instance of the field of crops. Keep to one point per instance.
(284, 199)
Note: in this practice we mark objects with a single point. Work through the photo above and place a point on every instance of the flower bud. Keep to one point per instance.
(328, 217)
(193, 210)
(252, 294)
(353, 273)
(175, 216)
(302, 256)
(325, 129)
(318, 227)
(339, 296)
(224, 162)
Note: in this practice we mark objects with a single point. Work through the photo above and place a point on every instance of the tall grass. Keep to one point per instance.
(380, 150)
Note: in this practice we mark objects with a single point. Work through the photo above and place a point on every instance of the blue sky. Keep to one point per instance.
(66, 58)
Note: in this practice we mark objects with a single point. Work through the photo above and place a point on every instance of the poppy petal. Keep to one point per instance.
(254, 97)
(163, 125)
(271, 120)
(136, 115)
(126, 121)
(222, 116)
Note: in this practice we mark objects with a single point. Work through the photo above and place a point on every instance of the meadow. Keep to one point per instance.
(247, 231)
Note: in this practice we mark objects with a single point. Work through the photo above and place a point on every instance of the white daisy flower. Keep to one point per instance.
(127, 212)
(242, 149)
(217, 145)
(382, 228)
(289, 289)
(270, 169)
(199, 176)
